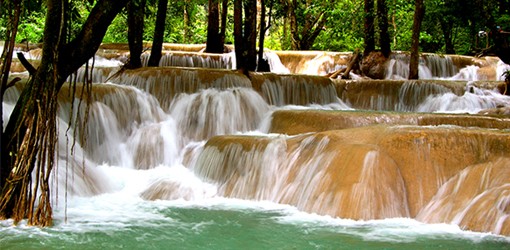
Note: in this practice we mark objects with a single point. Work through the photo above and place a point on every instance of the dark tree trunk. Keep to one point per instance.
(245, 34)
(446, 27)
(136, 12)
(303, 38)
(159, 34)
(262, 65)
(369, 27)
(293, 26)
(6, 67)
(214, 42)
(31, 131)
(419, 12)
(238, 34)
(186, 20)
(224, 14)
(384, 36)
(250, 33)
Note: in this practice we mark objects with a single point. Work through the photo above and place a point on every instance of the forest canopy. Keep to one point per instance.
(451, 26)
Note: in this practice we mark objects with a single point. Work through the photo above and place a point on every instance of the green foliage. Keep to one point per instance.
(31, 28)
(117, 32)
(343, 30)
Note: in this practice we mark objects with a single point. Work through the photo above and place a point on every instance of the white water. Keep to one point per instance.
(472, 101)
(107, 177)
(432, 66)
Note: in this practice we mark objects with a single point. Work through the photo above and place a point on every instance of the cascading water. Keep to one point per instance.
(185, 157)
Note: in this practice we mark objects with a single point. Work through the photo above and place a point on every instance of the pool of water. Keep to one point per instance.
(113, 221)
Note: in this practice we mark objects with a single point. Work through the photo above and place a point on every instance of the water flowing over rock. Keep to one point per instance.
(365, 173)
(435, 149)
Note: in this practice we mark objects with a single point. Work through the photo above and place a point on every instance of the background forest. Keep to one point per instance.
(450, 27)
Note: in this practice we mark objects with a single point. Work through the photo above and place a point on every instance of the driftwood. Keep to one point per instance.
(345, 71)
(31, 70)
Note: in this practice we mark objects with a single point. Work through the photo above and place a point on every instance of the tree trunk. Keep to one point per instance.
(446, 27)
(369, 27)
(245, 34)
(159, 34)
(186, 22)
(214, 44)
(262, 65)
(6, 68)
(250, 33)
(384, 36)
(293, 26)
(238, 34)
(224, 15)
(419, 12)
(136, 12)
(30, 134)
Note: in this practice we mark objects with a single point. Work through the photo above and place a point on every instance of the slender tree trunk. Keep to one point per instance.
(446, 27)
(285, 42)
(384, 36)
(262, 65)
(6, 68)
(419, 12)
(136, 12)
(293, 26)
(30, 135)
(394, 24)
(250, 33)
(186, 22)
(369, 27)
(238, 35)
(37, 143)
(214, 44)
(245, 34)
(224, 15)
(159, 34)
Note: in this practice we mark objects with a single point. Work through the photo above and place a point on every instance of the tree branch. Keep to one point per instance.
(31, 69)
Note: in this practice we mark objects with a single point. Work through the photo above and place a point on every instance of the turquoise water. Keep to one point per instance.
(230, 224)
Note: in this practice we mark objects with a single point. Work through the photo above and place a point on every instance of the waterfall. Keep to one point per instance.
(322, 146)
(309, 168)
(165, 83)
(282, 90)
(213, 112)
(479, 194)
(194, 59)
(472, 101)
(447, 67)
(275, 64)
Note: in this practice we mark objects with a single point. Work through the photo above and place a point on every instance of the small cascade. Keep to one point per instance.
(275, 64)
(472, 101)
(448, 67)
(293, 122)
(282, 90)
(116, 113)
(178, 183)
(340, 172)
(96, 75)
(317, 174)
(476, 198)
(211, 112)
(194, 59)
(165, 83)
(398, 68)
(441, 66)
(313, 62)
(75, 174)
(393, 95)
